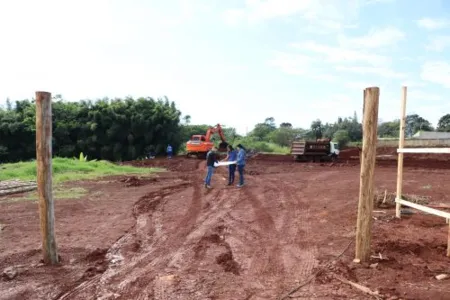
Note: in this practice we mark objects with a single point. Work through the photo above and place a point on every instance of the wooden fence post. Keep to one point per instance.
(366, 188)
(401, 144)
(44, 175)
(362, 122)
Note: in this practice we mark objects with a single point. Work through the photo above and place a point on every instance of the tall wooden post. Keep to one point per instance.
(44, 175)
(401, 144)
(362, 122)
(366, 188)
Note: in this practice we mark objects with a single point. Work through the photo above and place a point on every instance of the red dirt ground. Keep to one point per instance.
(167, 238)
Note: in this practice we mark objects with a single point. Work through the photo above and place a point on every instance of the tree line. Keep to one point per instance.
(128, 129)
(342, 131)
(110, 129)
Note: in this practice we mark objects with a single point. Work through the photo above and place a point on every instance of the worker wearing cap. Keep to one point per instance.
(241, 164)
(210, 160)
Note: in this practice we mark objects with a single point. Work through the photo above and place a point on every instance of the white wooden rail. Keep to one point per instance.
(423, 150)
(401, 150)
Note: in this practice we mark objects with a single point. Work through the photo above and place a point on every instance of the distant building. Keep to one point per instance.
(431, 135)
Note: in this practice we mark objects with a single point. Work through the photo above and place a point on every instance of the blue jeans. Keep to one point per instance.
(209, 175)
(241, 174)
(169, 154)
(231, 172)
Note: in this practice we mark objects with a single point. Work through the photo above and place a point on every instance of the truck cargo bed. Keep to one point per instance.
(310, 148)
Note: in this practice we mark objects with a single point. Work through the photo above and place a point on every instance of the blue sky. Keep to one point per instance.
(233, 62)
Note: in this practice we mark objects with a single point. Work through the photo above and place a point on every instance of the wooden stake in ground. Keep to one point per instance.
(366, 189)
(44, 175)
(362, 122)
(401, 144)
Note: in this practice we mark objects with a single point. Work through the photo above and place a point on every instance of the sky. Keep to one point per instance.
(233, 62)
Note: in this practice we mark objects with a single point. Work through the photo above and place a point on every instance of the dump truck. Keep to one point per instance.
(318, 150)
(200, 144)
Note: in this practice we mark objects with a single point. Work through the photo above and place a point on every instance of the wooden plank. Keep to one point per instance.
(423, 208)
(401, 144)
(366, 189)
(423, 150)
(44, 175)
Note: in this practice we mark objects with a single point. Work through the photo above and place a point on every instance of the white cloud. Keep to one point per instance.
(294, 64)
(233, 16)
(380, 71)
(320, 14)
(420, 95)
(433, 24)
(438, 43)
(299, 64)
(412, 83)
(376, 38)
(340, 54)
(437, 72)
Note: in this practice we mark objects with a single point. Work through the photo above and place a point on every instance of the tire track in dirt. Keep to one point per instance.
(187, 229)
(144, 211)
(266, 261)
(145, 206)
(173, 241)
(310, 250)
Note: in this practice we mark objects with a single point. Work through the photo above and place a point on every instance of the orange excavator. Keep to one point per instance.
(199, 145)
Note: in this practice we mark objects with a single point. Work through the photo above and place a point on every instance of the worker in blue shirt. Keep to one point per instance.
(231, 157)
(241, 164)
(169, 151)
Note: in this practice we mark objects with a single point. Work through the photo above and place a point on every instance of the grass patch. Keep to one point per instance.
(66, 169)
(59, 193)
(262, 146)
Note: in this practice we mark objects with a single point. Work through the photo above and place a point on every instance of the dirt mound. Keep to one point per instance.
(134, 181)
(272, 157)
(225, 258)
(176, 164)
(348, 153)
(150, 201)
(228, 263)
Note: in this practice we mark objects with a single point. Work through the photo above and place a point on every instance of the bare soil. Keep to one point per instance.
(292, 225)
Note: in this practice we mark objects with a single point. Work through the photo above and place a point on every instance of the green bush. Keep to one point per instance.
(342, 138)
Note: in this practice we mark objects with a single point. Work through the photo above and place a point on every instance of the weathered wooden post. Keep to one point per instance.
(44, 175)
(362, 122)
(366, 188)
(401, 144)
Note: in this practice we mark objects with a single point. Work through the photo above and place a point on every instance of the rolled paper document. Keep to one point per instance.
(224, 163)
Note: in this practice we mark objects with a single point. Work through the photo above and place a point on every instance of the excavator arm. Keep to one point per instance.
(217, 129)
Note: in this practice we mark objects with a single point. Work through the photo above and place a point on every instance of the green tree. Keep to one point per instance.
(444, 123)
(285, 125)
(415, 123)
(117, 129)
(262, 130)
(317, 129)
(283, 136)
(187, 119)
(389, 129)
(342, 138)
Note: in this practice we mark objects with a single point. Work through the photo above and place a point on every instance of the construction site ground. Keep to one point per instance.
(292, 227)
